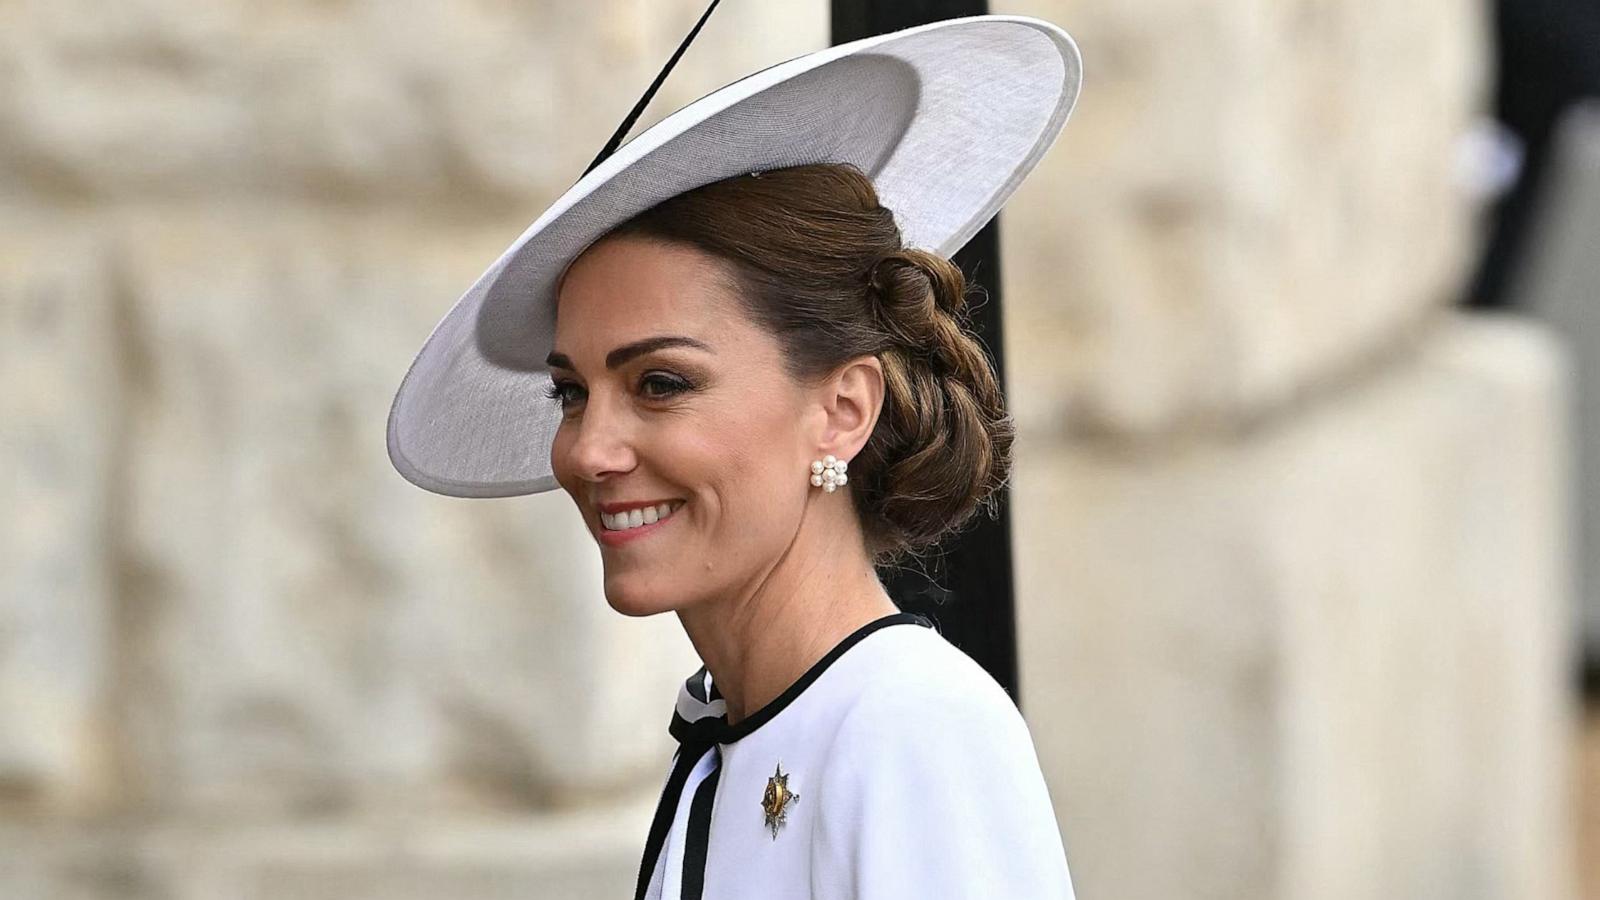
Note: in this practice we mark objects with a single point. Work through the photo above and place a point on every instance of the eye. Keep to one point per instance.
(660, 385)
(567, 392)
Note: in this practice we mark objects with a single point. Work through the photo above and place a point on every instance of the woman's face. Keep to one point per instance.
(674, 402)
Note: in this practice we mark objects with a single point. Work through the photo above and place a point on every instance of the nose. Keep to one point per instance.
(601, 443)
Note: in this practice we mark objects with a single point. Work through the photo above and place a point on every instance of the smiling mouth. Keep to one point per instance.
(638, 518)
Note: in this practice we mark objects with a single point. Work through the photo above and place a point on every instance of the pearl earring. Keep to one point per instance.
(828, 473)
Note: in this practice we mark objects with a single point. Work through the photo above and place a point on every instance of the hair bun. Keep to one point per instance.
(917, 276)
(945, 436)
(919, 298)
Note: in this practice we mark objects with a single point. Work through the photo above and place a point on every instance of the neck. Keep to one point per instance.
(760, 639)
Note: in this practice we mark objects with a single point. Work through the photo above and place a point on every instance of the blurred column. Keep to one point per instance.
(61, 408)
(1559, 282)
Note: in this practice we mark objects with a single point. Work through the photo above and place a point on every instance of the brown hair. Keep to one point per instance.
(820, 264)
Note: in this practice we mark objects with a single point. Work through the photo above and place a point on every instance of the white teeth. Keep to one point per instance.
(633, 518)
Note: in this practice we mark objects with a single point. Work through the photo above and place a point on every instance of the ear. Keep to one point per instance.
(851, 400)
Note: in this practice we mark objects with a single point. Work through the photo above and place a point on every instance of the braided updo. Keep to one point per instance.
(820, 263)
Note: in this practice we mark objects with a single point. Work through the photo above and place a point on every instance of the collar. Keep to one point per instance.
(701, 717)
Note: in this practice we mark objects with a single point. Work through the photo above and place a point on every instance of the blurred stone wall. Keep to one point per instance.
(1286, 525)
(239, 656)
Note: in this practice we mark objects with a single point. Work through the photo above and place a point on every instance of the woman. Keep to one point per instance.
(761, 390)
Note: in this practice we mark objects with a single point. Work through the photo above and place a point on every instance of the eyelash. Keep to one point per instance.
(677, 385)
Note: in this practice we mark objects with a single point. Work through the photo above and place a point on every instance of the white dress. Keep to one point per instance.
(895, 767)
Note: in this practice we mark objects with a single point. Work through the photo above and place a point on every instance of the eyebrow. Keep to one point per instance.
(626, 352)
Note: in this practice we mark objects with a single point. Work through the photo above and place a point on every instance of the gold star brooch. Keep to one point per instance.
(775, 802)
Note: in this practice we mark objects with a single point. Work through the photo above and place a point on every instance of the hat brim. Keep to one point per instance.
(946, 119)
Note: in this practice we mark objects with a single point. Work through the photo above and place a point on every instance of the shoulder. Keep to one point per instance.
(928, 717)
(926, 689)
(933, 755)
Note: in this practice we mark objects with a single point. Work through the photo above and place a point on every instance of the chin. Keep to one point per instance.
(627, 595)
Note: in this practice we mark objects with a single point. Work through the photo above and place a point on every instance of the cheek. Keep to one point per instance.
(751, 474)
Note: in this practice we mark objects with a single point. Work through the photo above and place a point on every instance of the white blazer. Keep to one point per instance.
(895, 767)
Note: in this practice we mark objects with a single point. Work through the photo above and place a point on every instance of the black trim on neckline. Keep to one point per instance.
(697, 838)
(666, 807)
(717, 729)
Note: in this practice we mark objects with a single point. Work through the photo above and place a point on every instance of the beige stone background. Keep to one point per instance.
(1292, 531)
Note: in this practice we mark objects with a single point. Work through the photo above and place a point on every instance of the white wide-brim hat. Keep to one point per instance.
(946, 119)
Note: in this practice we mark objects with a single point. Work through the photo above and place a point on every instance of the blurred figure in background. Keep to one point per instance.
(1548, 57)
